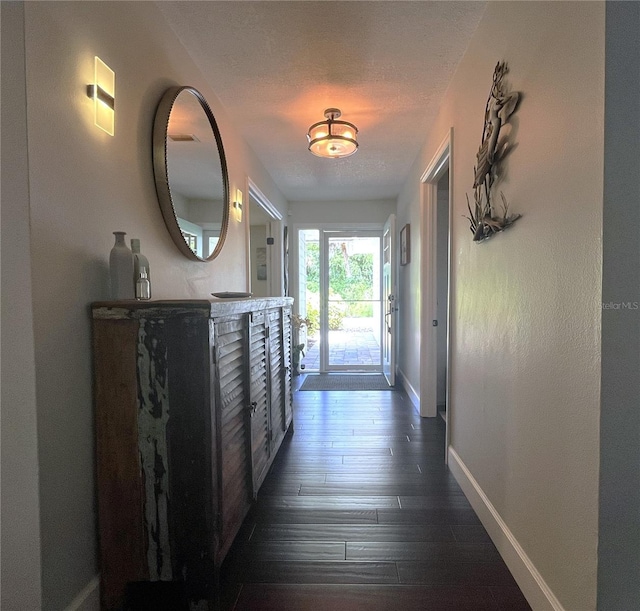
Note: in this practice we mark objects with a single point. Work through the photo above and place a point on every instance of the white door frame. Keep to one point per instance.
(428, 281)
(275, 230)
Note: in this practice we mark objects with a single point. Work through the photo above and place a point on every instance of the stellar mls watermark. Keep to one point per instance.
(621, 305)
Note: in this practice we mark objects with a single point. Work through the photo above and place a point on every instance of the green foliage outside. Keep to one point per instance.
(313, 310)
(350, 280)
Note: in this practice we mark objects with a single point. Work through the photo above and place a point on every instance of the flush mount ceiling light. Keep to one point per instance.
(331, 138)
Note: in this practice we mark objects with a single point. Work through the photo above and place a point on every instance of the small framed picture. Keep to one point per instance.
(405, 244)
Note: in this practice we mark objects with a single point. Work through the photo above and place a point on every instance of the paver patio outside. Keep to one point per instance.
(346, 347)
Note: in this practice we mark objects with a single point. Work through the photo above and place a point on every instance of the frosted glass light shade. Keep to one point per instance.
(103, 93)
(331, 138)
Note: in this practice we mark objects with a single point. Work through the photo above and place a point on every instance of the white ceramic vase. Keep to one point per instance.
(121, 269)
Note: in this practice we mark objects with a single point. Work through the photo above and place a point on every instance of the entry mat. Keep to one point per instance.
(343, 381)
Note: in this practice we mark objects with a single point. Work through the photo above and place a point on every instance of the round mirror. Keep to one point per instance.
(191, 173)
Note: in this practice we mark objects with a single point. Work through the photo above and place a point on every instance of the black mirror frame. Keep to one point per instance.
(160, 128)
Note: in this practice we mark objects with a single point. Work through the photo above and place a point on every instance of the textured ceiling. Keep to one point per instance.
(276, 66)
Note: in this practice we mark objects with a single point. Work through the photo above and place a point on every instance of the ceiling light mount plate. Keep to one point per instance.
(332, 113)
(333, 139)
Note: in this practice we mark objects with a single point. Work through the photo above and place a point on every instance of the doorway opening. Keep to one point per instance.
(339, 294)
(435, 356)
(442, 289)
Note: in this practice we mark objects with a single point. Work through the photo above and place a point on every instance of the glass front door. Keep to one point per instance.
(341, 289)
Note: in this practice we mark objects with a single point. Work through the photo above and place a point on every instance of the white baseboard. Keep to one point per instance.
(88, 598)
(411, 391)
(533, 586)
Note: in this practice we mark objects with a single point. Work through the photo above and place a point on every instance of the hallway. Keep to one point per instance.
(359, 512)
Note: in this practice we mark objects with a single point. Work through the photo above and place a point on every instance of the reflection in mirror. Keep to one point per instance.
(191, 173)
(266, 261)
(259, 230)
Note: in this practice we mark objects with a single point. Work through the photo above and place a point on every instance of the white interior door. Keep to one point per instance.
(389, 262)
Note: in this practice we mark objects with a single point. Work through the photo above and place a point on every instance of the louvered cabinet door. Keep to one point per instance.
(286, 359)
(277, 377)
(234, 440)
(259, 400)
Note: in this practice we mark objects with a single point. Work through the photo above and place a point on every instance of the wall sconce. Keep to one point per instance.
(238, 205)
(103, 93)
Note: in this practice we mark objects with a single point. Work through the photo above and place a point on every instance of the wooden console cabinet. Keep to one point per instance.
(192, 402)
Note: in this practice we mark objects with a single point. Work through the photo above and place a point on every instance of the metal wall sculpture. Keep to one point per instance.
(484, 221)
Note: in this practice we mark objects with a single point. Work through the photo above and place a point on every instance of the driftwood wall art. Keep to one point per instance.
(484, 220)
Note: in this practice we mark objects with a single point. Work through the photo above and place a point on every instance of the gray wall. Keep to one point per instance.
(619, 524)
(82, 185)
(21, 581)
(525, 331)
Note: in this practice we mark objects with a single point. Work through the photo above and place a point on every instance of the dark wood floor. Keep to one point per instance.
(359, 512)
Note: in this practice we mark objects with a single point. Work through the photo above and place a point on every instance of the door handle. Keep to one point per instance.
(387, 315)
